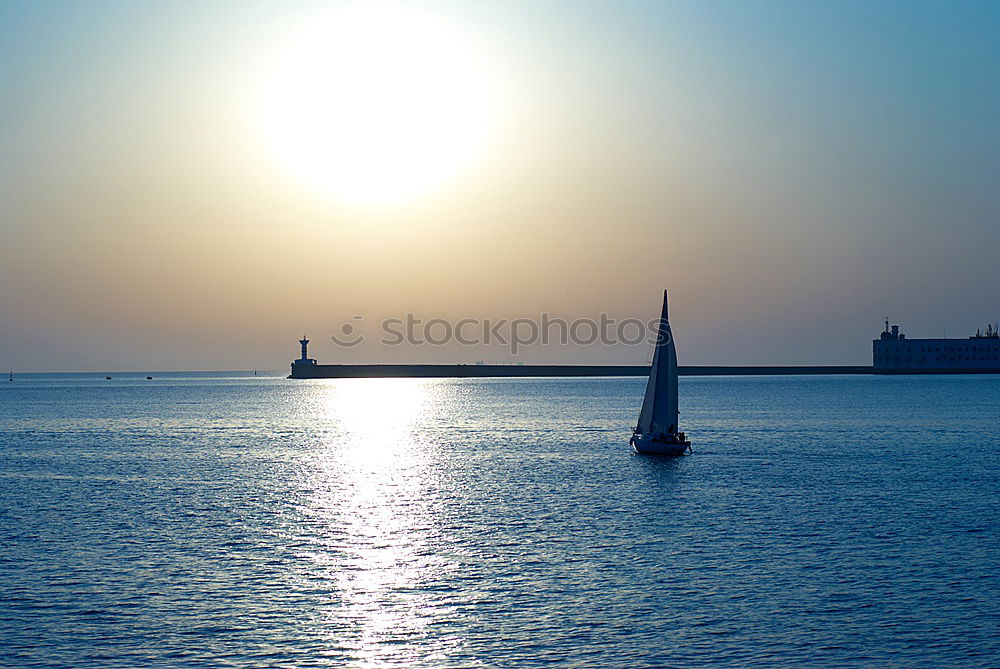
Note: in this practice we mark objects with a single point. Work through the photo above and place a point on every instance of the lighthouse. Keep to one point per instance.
(305, 360)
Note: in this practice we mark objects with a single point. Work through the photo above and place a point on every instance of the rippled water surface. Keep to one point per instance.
(225, 520)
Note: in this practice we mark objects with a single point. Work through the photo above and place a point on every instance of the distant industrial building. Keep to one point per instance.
(893, 353)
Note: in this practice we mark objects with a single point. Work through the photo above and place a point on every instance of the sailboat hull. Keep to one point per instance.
(660, 444)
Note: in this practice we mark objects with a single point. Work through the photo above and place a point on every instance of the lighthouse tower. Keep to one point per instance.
(305, 361)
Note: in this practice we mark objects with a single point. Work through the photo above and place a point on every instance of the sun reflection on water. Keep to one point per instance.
(373, 512)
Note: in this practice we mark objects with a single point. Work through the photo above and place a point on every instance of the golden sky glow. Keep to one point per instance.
(192, 186)
(375, 104)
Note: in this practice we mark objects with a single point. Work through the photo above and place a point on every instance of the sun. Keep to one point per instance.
(377, 104)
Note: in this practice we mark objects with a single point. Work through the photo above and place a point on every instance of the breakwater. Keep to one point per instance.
(485, 371)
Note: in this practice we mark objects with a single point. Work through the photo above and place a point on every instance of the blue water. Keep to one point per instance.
(226, 520)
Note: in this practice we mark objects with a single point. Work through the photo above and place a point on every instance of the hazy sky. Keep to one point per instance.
(793, 172)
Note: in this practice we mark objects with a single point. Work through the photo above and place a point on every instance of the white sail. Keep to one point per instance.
(659, 407)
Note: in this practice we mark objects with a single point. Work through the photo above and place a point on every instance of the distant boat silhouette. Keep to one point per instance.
(107, 378)
(656, 432)
(149, 378)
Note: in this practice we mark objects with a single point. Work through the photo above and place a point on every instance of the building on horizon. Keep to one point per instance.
(894, 353)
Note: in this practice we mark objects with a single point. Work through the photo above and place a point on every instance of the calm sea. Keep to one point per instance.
(214, 520)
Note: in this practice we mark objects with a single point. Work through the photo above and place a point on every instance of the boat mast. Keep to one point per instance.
(657, 376)
(671, 389)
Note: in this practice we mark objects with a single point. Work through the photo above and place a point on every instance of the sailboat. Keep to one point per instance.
(656, 433)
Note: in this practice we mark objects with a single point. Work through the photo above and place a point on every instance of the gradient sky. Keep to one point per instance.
(793, 172)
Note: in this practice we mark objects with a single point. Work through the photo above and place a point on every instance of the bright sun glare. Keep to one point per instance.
(377, 103)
